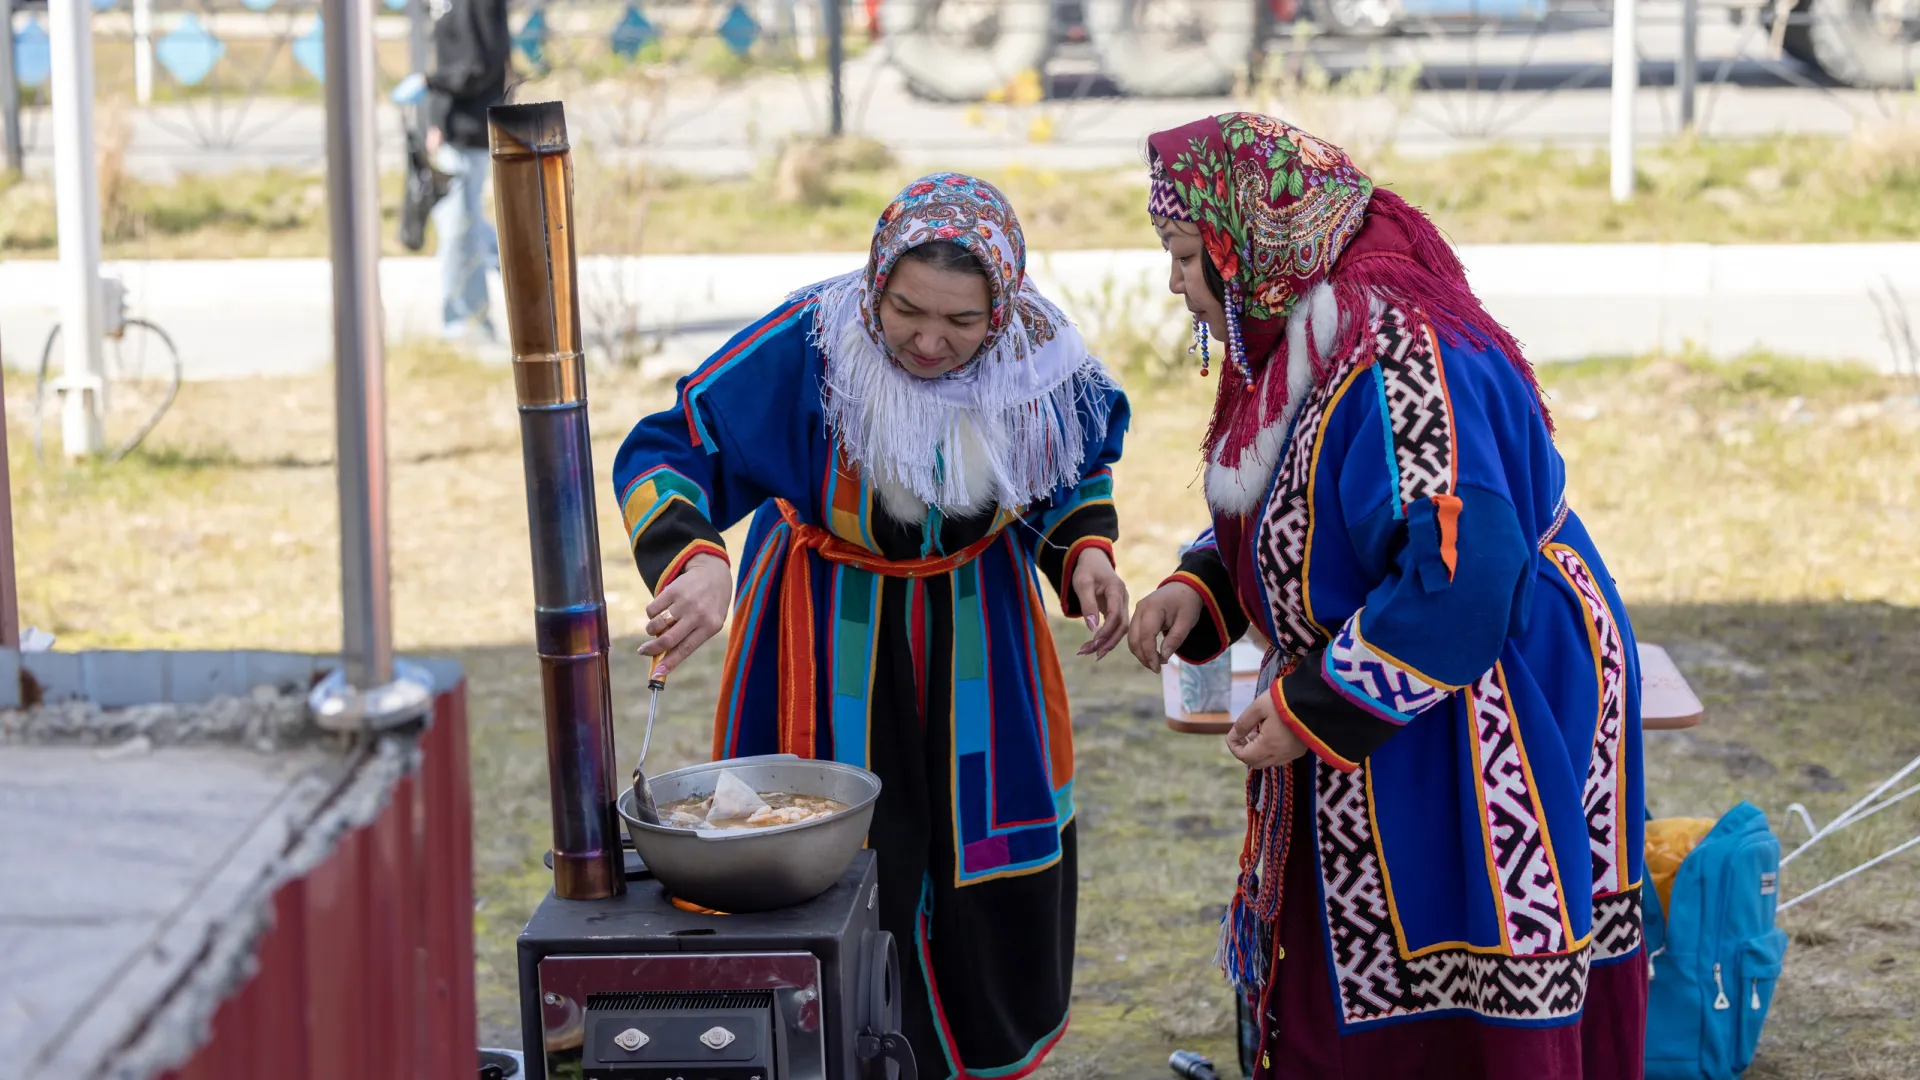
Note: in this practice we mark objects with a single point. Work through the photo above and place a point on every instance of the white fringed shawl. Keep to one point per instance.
(1006, 428)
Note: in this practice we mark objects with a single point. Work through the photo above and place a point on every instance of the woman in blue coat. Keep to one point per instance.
(1443, 865)
(919, 443)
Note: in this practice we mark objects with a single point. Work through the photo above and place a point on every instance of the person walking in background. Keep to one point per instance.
(471, 53)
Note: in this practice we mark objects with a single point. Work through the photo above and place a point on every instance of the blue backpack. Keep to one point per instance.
(1716, 955)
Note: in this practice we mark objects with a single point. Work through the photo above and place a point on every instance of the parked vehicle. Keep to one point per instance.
(962, 50)
(1863, 43)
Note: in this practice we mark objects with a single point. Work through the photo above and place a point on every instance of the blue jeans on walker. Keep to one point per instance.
(468, 246)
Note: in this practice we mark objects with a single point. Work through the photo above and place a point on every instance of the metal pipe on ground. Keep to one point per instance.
(533, 204)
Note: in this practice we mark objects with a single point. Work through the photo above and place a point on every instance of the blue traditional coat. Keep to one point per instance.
(746, 430)
(1451, 648)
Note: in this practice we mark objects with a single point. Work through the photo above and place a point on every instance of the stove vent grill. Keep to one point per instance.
(680, 999)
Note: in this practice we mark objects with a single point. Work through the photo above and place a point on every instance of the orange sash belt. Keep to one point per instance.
(798, 677)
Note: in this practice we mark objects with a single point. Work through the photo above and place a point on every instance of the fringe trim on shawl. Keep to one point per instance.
(1426, 279)
(1238, 487)
(1025, 404)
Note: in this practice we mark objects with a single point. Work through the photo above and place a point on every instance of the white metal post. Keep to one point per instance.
(1626, 80)
(806, 28)
(10, 155)
(143, 51)
(77, 214)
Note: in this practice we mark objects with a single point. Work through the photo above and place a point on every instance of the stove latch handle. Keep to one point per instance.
(879, 1037)
(892, 1046)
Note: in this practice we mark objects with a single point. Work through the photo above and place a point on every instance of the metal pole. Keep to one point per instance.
(143, 51)
(9, 94)
(353, 213)
(77, 214)
(834, 12)
(9, 594)
(1626, 79)
(1688, 75)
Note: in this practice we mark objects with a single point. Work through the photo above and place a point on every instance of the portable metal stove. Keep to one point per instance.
(635, 986)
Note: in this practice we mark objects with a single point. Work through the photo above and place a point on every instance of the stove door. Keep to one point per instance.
(684, 1016)
(682, 1035)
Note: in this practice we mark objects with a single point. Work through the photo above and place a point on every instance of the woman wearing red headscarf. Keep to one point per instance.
(1442, 871)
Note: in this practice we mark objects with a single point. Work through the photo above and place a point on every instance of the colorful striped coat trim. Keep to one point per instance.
(799, 699)
(714, 368)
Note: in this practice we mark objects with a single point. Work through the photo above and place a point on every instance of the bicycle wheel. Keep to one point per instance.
(139, 381)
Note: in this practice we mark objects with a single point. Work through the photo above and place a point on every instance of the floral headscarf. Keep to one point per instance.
(1275, 207)
(963, 210)
(1022, 392)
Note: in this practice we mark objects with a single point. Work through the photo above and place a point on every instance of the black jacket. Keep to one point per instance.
(471, 49)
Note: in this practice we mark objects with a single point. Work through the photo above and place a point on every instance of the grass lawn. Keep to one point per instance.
(1788, 189)
(1759, 516)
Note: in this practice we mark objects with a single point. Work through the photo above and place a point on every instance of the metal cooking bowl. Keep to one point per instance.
(756, 869)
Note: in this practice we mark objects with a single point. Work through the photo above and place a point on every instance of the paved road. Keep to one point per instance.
(1517, 87)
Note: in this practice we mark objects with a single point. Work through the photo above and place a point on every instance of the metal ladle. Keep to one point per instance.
(643, 807)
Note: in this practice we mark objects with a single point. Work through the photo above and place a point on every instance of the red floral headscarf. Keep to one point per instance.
(1275, 207)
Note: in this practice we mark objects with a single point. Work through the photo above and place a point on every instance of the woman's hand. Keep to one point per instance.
(687, 612)
(1100, 590)
(1162, 621)
(1260, 739)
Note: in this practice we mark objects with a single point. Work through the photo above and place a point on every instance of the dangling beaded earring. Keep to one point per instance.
(1200, 342)
(1236, 345)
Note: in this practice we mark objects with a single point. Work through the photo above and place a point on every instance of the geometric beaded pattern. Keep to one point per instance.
(1419, 418)
(1419, 414)
(1373, 981)
(1280, 548)
(1529, 895)
(1602, 797)
(1616, 925)
(1375, 682)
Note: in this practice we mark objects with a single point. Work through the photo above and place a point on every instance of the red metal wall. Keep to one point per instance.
(367, 972)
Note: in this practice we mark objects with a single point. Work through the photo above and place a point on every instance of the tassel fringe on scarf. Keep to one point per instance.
(1426, 278)
(1248, 929)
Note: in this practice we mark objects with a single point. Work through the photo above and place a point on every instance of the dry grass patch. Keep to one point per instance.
(1759, 517)
(815, 197)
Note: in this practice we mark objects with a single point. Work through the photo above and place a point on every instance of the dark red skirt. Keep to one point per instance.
(1301, 1039)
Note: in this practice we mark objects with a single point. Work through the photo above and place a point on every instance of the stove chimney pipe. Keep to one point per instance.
(533, 200)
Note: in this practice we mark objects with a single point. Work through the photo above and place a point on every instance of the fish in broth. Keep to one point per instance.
(782, 808)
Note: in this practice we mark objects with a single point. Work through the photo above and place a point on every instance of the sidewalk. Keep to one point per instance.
(233, 318)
